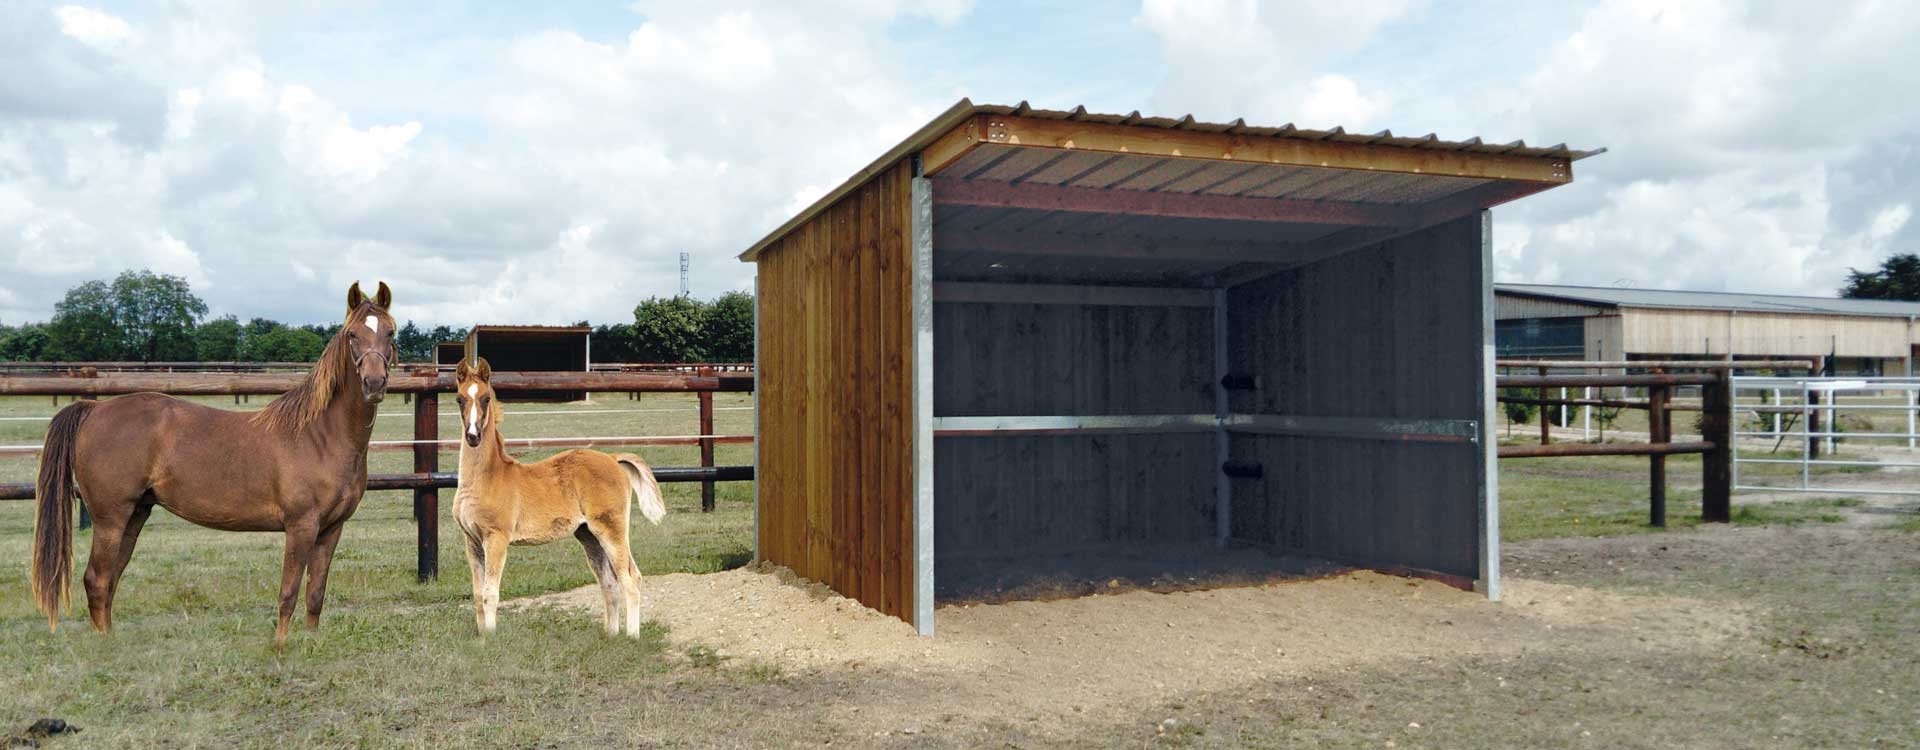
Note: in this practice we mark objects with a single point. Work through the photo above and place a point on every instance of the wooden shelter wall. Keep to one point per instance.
(835, 380)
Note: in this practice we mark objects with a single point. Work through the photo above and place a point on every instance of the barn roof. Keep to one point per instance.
(1664, 298)
(1316, 176)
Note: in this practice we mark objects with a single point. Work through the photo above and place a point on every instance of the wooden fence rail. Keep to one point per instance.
(1716, 426)
(426, 480)
(1716, 418)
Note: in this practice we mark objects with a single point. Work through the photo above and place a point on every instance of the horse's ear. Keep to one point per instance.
(486, 371)
(354, 297)
(384, 297)
(460, 373)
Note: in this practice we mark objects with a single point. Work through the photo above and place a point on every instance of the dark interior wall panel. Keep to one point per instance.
(1391, 330)
(998, 359)
(1054, 494)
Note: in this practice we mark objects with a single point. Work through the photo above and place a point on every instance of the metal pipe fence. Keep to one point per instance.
(1811, 417)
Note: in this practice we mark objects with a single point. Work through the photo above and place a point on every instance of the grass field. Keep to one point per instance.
(1831, 658)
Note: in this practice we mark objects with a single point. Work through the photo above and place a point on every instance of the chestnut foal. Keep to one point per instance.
(501, 501)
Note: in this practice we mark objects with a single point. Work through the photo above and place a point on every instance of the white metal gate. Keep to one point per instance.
(1799, 421)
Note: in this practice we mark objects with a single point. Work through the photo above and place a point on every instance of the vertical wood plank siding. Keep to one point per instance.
(835, 482)
(1391, 330)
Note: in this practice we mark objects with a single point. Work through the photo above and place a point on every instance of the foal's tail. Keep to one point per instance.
(53, 527)
(640, 477)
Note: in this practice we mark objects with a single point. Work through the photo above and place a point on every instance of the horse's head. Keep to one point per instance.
(370, 338)
(473, 387)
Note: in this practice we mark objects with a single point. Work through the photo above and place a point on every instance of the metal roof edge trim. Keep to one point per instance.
(920, 139)
(1618, 305)
(1590, 302)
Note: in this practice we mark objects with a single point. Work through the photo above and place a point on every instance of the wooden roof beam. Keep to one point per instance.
(1039, 197)
(1228, 146)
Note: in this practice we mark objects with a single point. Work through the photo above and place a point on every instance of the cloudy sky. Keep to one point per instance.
(504, 162)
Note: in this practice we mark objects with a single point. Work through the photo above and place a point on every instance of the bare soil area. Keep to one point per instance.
(1052, 665)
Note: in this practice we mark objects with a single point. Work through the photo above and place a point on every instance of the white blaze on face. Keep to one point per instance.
(373, 324)
(473, 409)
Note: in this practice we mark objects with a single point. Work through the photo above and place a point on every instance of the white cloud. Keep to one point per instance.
(1266, 60)
(92, 27)
(1738, 135)
(1753, 145)
(561, 184)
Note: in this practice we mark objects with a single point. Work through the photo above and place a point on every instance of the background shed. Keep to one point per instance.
(533, 349)
(449, 352)
(1847, 336)
(1026, 346)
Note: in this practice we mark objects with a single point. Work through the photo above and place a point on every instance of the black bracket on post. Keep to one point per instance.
(1243, 469)
(1240, 381)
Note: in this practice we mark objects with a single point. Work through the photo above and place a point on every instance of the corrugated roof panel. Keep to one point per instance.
(1109, 173)
(1518, 148)
(1018, 164)
(1105, 170)
(1158, 176)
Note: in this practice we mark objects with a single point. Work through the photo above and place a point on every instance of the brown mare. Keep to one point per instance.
(299, 466)
(584, 493)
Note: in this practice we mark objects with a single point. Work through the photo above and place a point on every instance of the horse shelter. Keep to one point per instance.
(534, 349)
(1024, 343)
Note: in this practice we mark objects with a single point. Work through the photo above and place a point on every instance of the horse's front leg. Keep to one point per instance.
(317, 571)
(494, 547)
(477, 575)
(300, 539)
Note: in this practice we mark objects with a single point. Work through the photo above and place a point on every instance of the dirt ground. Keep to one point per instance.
(1103, 659)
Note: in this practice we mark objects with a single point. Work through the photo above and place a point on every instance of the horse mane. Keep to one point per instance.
(308, 400)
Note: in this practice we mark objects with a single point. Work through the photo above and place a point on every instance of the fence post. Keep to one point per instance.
(706, 444)
(426, 500)
(1813, 421)
(1659, 433)
(1546, 417)
(1586, 415)
(1716, 467)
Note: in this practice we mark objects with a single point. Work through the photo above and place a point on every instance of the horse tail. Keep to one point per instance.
(53, 526)
(640, 478)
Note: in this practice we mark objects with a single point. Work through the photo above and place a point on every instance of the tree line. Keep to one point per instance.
(1898, 277)
(141, 316)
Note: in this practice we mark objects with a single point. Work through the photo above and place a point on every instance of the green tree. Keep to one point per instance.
(414, 344)
(612, 343)
(668, 330)
(24, 343)
(285, 344)
(727, 330)
(443, 334)
(83, 328)
(217, 340)
(1897, 278)
(156, 314)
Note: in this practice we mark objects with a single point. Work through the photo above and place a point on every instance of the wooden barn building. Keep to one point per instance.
(534, 349)
(1025, 346)
(1850, 336)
